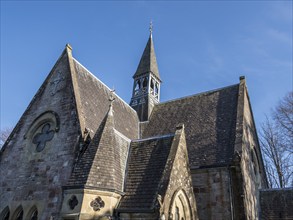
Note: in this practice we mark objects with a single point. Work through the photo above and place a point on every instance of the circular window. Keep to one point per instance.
(40, 139)
(42, 130)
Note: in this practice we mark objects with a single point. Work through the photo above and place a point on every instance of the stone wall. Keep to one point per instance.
(138, 216)
(211, 187)
(38, 158)
(251, 163)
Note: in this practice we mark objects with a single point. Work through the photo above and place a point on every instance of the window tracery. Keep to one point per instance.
(33, 214)
(40, 139)
(180, 206)
(5, 213)
(97, 204)
(42, 130)
(18, 214)
(72, 202)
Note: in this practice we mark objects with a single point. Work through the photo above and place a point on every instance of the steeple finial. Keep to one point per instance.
(151, 28)
(148, 61)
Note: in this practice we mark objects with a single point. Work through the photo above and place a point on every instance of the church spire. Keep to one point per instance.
(148, 61)
(147, 82)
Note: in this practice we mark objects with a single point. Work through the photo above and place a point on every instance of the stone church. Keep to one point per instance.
(81, 152)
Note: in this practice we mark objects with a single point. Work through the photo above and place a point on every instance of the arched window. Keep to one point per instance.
(137, 85)
(180, 206)
(33, 214)
(156, 89)
(18, 214)
(5, 214)
(255, 167)
(152, 86)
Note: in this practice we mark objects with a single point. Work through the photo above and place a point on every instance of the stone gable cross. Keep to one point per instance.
(55, 83)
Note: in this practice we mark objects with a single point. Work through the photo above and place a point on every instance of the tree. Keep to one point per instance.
(4, 134)
(277, 144)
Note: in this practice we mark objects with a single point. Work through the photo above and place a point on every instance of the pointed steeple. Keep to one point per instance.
(148, 61)
(147, 82)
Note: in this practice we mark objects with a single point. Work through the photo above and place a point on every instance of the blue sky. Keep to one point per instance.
(200, 46)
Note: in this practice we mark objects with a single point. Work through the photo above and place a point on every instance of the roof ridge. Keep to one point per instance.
(168, 168)
(76, 91)
(103, 135)
(95, 77)
(198, 94)
(154, 137)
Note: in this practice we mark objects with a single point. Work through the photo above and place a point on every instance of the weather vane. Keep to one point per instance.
(151, 27)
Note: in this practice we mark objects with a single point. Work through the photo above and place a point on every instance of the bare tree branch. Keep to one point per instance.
(277, 144)
(4, 134)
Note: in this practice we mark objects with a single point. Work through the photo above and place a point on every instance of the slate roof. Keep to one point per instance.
(148, 61)
(276, 203)
(103, 163)
(210, 122)
(146, 165)
(94, 96)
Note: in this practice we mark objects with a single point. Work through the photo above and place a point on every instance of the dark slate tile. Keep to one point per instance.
(146, 165)
(210, 122)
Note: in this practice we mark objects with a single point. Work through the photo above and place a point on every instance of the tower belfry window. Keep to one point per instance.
(145, 82)
(137, 84)
(156, 90)
(137, 87)
(152, 86)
